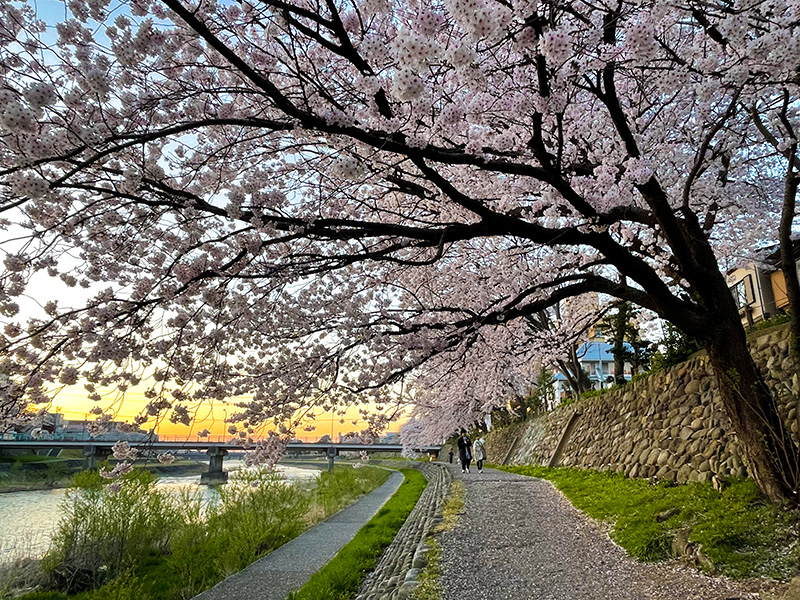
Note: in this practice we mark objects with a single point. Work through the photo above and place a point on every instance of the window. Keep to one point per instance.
(743, 292)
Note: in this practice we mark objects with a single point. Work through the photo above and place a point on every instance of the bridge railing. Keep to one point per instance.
(96, 451)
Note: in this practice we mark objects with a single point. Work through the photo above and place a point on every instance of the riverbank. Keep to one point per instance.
(176, 544)
(57, 474)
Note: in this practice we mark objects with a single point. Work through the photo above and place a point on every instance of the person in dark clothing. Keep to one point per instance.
(451, 457)
(464, 451)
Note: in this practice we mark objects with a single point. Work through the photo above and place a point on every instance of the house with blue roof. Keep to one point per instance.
(597, 361)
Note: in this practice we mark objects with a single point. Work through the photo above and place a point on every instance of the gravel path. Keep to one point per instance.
(520, 539)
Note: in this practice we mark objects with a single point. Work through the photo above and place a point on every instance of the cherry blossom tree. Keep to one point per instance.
(775, 119)
(304, 201)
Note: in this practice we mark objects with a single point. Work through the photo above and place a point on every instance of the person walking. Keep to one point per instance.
(479, 453)
(451, 457)
(464, 451)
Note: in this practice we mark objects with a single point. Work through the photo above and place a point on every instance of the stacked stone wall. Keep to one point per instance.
(669, 425)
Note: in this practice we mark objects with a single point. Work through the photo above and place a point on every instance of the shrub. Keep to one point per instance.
(253, 514)
(676, 347)
(104, 533)
(773, 321)
(594, 393)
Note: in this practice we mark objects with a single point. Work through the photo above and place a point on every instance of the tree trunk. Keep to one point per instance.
(769, 451)
(523, 407)
(577, 378)
(620, 329)
(787, 253)
(767, 446)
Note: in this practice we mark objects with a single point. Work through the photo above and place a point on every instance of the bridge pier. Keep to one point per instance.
(215, 475)
(331, 452)
(94, 455)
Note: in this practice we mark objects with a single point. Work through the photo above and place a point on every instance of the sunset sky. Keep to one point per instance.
(74, 404)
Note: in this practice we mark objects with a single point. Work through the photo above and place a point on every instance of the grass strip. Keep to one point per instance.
(738, 529)
(341, 577)
(453, 507)
(430, 584)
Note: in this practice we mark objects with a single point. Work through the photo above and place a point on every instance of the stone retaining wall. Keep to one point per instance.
(670, 425)
(395, 575)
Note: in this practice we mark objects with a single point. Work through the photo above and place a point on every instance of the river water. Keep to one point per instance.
(28, 519)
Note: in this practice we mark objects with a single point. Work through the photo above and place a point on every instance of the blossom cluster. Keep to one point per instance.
(267, 452)
(556, 47)
(120, 469)
(123, 451)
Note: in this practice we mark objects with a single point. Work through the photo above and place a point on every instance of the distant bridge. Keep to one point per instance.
(97, 451)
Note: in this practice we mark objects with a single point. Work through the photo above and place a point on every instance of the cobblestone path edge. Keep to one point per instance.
(395, 576)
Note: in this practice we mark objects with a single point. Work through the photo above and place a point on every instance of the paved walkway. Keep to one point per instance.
(520, 539)
(290, 566)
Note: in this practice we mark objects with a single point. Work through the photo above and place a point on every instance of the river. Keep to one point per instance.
(28, 519)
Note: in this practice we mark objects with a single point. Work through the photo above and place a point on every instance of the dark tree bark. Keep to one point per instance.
(620, 330)
(787, 246)
(577, 378)
(788, 265)
(769, 451)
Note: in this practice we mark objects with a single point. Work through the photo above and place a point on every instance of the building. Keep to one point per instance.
(759, 287)
(390, 437)
(596, 359)
(53, 426)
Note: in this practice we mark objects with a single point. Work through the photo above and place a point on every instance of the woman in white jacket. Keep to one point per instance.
(479, 453)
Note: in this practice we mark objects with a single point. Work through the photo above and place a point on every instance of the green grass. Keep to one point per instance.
(743, 534)
(453, 507)
(31, 458)
(340, 578)
(405, 459)
(773, 321)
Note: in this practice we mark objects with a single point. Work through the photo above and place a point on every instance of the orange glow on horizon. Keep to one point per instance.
(73, 403)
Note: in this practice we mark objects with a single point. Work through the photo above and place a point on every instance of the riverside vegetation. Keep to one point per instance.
(36, 472)
(33, 472)
(738, 532)
(129, 540)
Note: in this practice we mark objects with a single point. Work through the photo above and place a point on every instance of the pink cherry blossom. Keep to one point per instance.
(293, 207)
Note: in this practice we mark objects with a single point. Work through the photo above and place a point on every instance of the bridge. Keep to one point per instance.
(98, 451)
